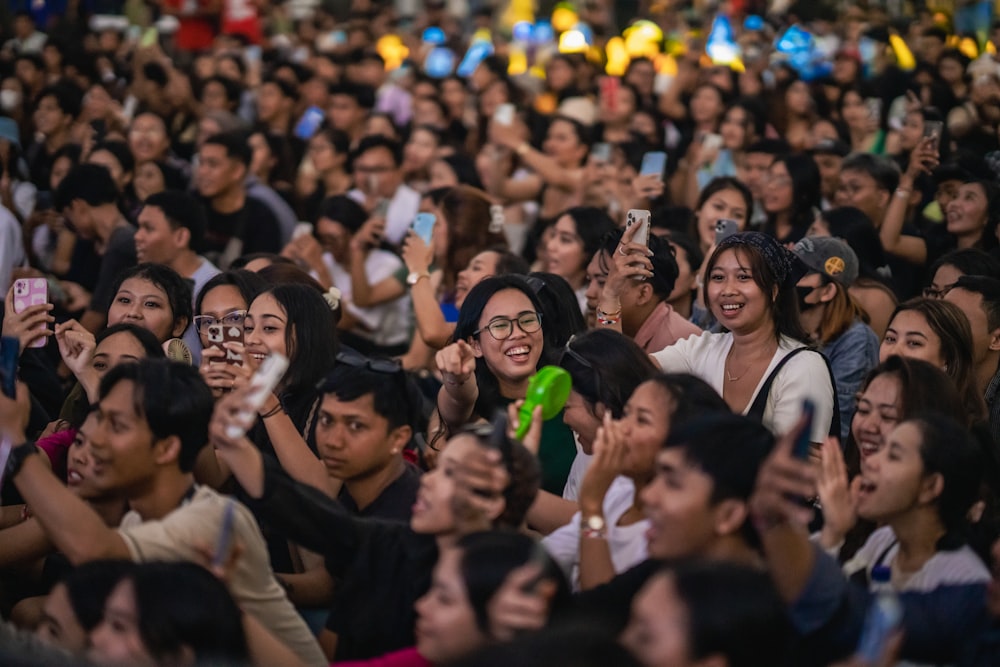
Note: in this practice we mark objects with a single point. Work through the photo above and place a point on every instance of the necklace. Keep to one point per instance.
(729, 376)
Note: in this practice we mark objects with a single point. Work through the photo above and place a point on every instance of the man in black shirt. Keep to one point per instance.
(88, 198)
(55, 111)
(237, 224)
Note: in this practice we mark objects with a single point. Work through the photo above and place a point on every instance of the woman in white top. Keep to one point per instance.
(749, 288)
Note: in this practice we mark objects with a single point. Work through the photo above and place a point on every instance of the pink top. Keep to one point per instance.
(663, 328)
(407, 657)
(56, 447)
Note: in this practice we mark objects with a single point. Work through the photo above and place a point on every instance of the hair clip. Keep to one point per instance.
(332, 298)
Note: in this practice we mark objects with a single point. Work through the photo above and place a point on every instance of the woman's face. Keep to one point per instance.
(265, 327)
(892, 479)
(950, 70)
(706, 105)
(912, 132)
(559, 75)
(119, 348)
(219, 302)
(687, 276)
(145, 304)
(779, 194)
(579, 416)
(734, 298)
(59, 626)
(658, 628)
(722, 205)
(334, 237)
(563, 145)
(880, 407)
(798, 99)
(432, 512)
(910, 335)
(564, 252)
(645, 424)
(481, 266)
(322, 154)
(419, 150)
(261, 160)
(966, 215)
(107, 160)
(148, 180)
(442, 175)
(446, 623)
(734, 129)
(116, 640)
(80, 464)
(822, 130)
(854, 111)
(60, 168)
(514, 359)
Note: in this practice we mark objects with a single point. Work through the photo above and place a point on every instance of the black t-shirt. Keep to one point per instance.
(395, 503)
(118, 256)
(254, 224)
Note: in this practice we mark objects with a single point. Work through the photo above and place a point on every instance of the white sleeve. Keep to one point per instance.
(563, 545)
(804, 376)
(677, 358)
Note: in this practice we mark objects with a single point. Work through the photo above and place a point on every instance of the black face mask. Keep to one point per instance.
(801, 293)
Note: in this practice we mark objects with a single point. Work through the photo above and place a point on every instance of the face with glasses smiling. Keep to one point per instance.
(509, 339)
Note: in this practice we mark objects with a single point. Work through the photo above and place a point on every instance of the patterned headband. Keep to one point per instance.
(787, 267)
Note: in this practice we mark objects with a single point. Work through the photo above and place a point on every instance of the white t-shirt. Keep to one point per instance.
(197, 522)
(403, 207)
(627, 543)
(576, 471)
(11, 247)
(389, 323)
(804, 376)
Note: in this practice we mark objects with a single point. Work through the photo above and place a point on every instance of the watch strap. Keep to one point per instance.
(18, 455)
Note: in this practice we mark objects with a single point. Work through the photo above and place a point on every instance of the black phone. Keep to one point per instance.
(803, 442)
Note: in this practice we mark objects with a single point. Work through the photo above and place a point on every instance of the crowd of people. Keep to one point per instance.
(760, 238)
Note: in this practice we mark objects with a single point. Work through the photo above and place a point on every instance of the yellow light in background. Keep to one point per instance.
(990, 49)
(517, 10)
(392, 50)
(618, 59)
(904, 57)
(482, 35)
(647, 29)
(572, 41)
(564, 17)
(517, 62)
(537, 71)
(666, 64)
(968, 47)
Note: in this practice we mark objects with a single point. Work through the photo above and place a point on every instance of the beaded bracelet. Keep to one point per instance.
(609, 319)
(273, 411)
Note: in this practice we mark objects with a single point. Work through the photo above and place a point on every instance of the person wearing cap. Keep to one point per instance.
(829, 155)
(833, 319)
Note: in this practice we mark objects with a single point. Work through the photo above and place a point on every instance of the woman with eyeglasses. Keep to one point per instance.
(498, 345)
(791, 197)
(223, 300)
(946, 271)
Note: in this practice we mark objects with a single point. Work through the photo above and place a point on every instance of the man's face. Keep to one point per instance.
(217, 172)
(345, 114)
(353, 440)
(49, 118)
(860, 190)
(155, 240)
(971, 304)
(79, 219)
(829, 173)
(122, 446)
(376, 173)
(270, 102)
(756, 166)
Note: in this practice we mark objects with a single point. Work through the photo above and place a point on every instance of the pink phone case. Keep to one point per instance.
(31, 292)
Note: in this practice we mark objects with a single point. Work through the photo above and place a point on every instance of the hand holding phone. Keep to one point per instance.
(504, 114)
(932, 130)
(262, 384)
(641, 218)
(724, 228)
(653, 164)
(30, 292)
(803, 442)
(423, 226)
(219, 334)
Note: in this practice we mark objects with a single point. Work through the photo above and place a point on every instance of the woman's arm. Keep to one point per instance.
(430, 320)
(913, 249)
(363, 293)
(459, 390)
(596, 564)
(292, 451)
(23, 542)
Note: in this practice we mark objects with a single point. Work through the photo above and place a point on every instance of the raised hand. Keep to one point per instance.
(27, 325)
(480, 479)
(76, 347)
(782, 480)
(457, 363)
(838, 498)
(607, 464)
(417, 255)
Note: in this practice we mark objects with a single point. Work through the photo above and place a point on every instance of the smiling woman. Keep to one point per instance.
(153, 297)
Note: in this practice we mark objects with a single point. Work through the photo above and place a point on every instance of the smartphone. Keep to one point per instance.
(220, 334)
(639, 217)
(423, 226)
(10, 349)
(540, 559)
(504, 115)
(31, 292)
(881, 621)
(225, 543)
(874, 105)
(309, 123)
(610, 86)
(252, 55)
(803, 442)
(262, 383)
(653, 163)
(933, 129)
(302, 229)
(382, 208)
(5, 446)
(601, 152)
(724, 228)
(712, 142)
(43, 201)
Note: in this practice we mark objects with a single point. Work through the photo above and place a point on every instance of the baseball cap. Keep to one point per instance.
(830, 257)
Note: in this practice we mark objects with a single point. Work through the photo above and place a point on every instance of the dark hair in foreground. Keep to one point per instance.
(615, 366)
(88, 586)
(177, 289)
(172, 398)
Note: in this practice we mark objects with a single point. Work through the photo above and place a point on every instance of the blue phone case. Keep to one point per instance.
(309, 123)
(423, 226)
(653, 163)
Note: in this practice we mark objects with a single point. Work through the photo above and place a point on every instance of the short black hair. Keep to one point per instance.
(394, 397)
(177, 289)
(970, 261)
(378, 141)
(173, 399)
(235, 143)
(90, 182)
(35, 59)
(121, 152)
(883, 171)
(773, 147)
(145, 338)
(232, 88)
(247, 283)
(287, 89)
(987, 288)
(665, 269)
(363, 95)
(182, 210)
(68, 97)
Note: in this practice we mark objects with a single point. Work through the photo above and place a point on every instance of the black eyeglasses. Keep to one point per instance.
(501, 328)
(934, 293)
(578, 358)
(233, 319)
(357, 360)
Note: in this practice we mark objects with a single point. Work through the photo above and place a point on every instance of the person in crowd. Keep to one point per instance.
(749, 287)
(575, 240)
(979, 299)
(833, 320)
(237, 223)
(629, 287)
(154, 415)
(171, 232)
(154, 297)
(376, 163)
(946, 271)
(723, 198)
(56, 109)
(328, 152)
(88, 198)
(791, 196)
